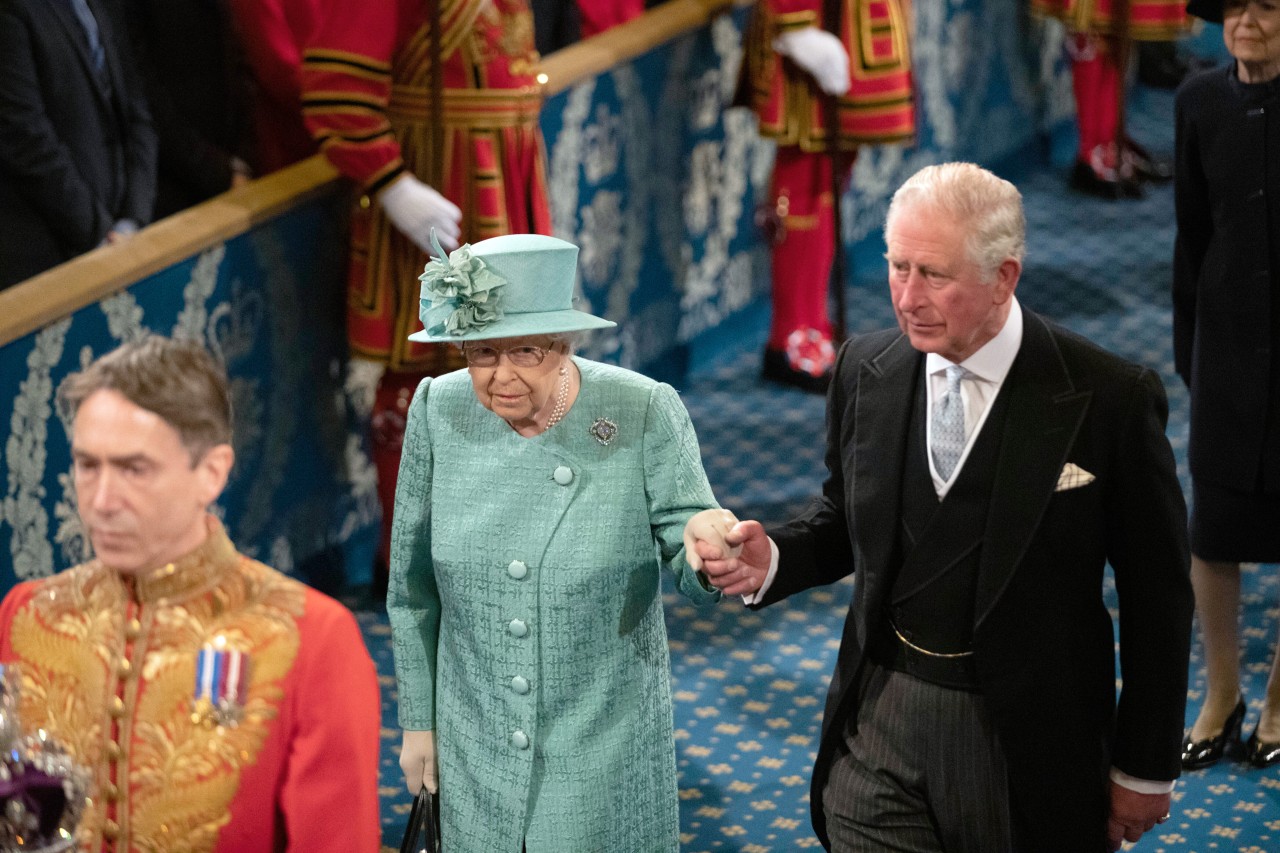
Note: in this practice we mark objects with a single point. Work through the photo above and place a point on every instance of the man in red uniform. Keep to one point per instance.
(802, 68)
(468, 163)
(219, 705)
(1108, 162)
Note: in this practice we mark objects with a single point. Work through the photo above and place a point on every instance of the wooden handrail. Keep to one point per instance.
(95, 275)
(91, 277)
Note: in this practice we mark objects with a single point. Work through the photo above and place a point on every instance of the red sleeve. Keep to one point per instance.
(346, 86)
(271, 46)
(329, 787)
(14, 601)
(795, 7)
(596, 17)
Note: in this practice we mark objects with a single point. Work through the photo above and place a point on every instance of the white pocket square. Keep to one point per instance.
(1073, 477)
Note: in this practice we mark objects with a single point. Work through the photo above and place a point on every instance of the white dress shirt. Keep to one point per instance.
(985, 372)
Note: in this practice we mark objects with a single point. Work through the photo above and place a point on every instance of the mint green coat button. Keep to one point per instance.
(519, 739)
(563, 475)
(517, 569)
(517, 628)
(520, 684)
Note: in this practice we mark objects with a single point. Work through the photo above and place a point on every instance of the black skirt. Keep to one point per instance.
(1229, 526)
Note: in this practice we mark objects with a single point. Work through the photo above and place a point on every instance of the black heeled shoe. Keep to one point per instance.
(1106, 184)
(1145, 166)
(1199, 754)
(1261, 753)
(777, 368)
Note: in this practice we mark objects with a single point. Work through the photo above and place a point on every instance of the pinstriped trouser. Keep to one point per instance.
(923, 773)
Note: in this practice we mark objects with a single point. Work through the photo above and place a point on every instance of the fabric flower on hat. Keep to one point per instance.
(464, 283)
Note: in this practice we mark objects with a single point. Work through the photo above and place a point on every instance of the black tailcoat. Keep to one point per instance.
(1042, 636)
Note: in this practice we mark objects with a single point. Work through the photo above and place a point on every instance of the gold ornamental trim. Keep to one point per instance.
(348, 60)
(174, 780)
(468, 108)
(794, 21)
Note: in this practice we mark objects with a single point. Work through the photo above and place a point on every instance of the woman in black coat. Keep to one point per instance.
(1226, 336)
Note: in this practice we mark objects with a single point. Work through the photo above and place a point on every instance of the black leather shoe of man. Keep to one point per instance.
(1261, 753)
(1199, 754)
(1084, 179)
(777, 368)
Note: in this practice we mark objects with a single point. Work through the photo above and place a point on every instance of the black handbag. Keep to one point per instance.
(423, 831)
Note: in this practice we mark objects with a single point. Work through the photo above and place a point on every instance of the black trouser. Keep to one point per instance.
(922, 772)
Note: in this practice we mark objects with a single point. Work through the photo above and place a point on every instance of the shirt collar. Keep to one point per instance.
(992, 361)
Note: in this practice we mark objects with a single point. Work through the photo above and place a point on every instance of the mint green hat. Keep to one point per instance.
(503, 287)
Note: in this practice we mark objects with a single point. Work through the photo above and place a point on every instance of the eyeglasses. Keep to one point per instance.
(1235, 8)
(487, 356)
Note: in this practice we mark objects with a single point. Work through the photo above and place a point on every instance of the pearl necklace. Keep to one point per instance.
(562, 399)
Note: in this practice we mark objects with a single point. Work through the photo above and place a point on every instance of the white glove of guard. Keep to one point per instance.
(415, 208)
(818, 52)
(418, 761)
(709, 525)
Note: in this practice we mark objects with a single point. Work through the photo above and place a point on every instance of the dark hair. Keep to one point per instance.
(177, 380)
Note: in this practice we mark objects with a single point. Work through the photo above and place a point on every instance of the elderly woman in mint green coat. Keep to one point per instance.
(539, 496)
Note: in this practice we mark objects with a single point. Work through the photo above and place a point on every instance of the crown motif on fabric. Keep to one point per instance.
(43, 791)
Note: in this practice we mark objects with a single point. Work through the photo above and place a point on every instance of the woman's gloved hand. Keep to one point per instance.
(709, 526)
(418, 761)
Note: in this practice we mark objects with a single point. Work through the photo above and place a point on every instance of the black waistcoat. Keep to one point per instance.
(940, 542)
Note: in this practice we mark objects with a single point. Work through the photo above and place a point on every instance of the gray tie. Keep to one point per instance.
(90, 25)
(948, 425)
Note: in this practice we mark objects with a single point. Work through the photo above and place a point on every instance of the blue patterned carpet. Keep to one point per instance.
(749, 687)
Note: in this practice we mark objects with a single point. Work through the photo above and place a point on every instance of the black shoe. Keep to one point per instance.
(1261, 753)
(1084, 179)
(778, 369)
(1144, 166)
(1207, 752)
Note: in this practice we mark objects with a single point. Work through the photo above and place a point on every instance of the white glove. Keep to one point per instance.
(418, 761)
(709, 525)
(416, 208)
(818, 52)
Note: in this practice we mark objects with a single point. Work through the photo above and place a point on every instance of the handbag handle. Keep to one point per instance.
(424, 820)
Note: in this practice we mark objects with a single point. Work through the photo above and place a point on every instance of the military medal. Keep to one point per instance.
(222, 680)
